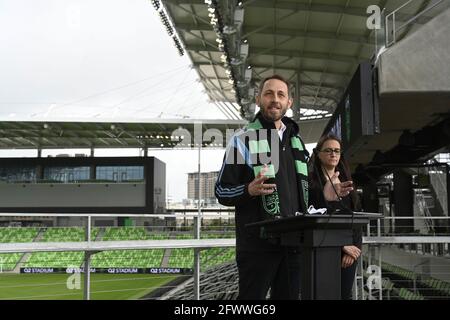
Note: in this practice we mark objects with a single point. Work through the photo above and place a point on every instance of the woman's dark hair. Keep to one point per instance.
(315, 169)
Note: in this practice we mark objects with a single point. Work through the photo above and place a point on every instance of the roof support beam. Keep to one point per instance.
(295, 6)
(286, 53)
(269, 66)
(282, 32)
(204, 41)
(258, 51)
(288, 5)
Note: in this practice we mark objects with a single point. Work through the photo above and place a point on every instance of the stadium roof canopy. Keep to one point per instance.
(157, 133)
(316, 44)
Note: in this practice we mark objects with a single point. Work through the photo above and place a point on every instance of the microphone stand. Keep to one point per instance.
(317, 172)
(341, 203)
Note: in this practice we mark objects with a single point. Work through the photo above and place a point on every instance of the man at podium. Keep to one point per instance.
(264, 175)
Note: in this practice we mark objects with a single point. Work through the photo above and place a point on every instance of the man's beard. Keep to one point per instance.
(272, 117)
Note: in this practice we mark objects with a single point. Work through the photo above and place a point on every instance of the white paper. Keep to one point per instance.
(312, 210)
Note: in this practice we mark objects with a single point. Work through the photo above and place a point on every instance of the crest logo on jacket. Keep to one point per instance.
(271, 203)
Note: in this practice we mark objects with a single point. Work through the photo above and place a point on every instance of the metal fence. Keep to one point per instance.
(396, 264)
(402, 264)
(394, 26)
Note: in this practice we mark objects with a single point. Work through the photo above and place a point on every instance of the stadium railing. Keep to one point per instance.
(418, 273)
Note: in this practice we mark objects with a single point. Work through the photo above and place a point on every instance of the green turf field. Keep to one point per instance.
(103, 286)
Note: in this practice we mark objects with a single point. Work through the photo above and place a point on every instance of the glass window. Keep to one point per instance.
(18, 174)
(120, 173)
(66, 174)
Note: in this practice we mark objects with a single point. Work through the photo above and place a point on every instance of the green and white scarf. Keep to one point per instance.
(260, 148)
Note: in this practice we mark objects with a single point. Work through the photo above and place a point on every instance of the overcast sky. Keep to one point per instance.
(93, 59)
(99, 59)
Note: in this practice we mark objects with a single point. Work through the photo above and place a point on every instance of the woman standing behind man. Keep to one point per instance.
(328, 163)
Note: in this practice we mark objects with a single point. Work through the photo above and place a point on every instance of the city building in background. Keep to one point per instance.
(207, 182)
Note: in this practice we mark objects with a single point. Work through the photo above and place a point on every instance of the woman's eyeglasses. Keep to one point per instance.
(330, 151)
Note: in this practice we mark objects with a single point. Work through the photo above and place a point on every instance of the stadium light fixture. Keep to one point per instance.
(229, 30)
(222, 37)
(178, 45)
(166, 23)
(156, 4)
(236, 62)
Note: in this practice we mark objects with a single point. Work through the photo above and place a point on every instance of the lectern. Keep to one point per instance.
(321, 238)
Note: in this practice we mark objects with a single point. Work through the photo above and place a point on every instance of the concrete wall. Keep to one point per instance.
(72, 195)
(420, 62)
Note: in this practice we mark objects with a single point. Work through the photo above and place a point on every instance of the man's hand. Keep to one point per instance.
(257, 187)
(342, 188)
(347, 261)
(352, 251)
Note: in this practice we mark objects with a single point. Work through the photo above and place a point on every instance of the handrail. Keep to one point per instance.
(419, 14)
(96, 246)
(179, 214)
(424, 210)
(419, 218)
(406, 239)
(396, 29)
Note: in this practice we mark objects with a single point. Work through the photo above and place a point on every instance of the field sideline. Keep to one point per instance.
(103, 286)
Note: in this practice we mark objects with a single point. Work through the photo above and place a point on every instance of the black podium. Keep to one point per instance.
(321, 238)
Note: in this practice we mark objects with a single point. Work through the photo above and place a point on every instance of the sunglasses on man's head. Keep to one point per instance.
(330, 151)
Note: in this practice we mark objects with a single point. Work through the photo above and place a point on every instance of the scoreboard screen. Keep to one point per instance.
(356, 116)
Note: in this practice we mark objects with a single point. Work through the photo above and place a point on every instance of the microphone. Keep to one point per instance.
(319, 178)
(322, 187)
(340, 201)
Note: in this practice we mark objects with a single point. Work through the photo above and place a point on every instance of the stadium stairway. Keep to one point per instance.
(40, 235)
(27, 255)
(14, 234)
(168, 252)
(101, 232)
(217, 283)
(22, 260)
(165, 259)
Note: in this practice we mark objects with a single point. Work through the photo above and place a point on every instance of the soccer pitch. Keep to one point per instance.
(103, 286)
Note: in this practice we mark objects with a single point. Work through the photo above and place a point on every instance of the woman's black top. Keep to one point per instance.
(345, 206)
